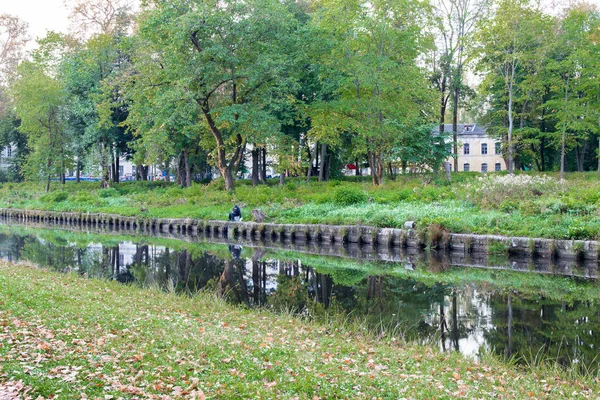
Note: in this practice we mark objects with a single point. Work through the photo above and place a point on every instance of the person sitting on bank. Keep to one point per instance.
(235, 214)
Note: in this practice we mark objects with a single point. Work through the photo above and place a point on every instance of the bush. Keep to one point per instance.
(55, 197)
(109, 192)
(347, 196)
(490, 190)
(579, 230)
(83, 197)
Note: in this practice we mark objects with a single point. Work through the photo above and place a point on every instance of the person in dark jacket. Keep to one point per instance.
(235, 214)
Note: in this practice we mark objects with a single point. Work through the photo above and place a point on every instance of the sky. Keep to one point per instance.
(41, 15)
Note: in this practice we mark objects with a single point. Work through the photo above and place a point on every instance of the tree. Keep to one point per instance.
(232, 59)
(13, 38)
(96, 104)
(109, 17)
(381, 92)
(511, 42)
(574, 81)
(39, 101)
(455, 21)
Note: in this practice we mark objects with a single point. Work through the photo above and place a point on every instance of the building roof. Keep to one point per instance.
(466, 129)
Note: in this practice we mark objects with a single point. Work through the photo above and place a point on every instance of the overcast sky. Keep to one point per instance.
(45, 15)
(41, 15)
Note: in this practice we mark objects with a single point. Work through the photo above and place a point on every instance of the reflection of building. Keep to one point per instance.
(476, 150)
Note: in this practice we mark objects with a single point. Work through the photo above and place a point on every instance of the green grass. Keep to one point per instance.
(535, 206)
(64, 336)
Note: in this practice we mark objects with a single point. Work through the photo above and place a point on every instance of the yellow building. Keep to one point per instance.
(476, 151)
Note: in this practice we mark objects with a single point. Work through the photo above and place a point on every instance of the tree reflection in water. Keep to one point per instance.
(467, 318)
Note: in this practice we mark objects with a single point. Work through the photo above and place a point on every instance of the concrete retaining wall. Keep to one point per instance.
(366, 237)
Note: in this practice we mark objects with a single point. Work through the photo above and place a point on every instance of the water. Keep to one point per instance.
(520, 315)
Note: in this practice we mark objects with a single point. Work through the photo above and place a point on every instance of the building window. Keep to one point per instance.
(484, 167)
(483, 148)
(498, 166)
(466, 148)
(466, 167)
(498, 147)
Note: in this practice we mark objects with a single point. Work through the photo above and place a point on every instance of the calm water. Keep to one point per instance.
(509, 317)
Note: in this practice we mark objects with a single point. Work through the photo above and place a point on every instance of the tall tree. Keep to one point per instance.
(13, 38)
(381, 91)
(510, 43)
(455, 21)
(232, 59)
(108, 17)
(39, 101)
(574, 82)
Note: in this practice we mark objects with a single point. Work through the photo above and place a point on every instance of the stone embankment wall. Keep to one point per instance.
(367, 236)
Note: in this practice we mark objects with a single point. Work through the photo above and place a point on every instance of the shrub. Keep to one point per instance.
(55, 197)
(490, 190)
(347, 196)
(579, 230)
(109, 192)
(83, 197)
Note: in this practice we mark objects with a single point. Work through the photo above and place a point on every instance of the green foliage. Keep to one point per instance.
(55, 197)
(109, 192)
(347, 196)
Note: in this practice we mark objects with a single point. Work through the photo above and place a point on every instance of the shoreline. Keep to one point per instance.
(360, 235)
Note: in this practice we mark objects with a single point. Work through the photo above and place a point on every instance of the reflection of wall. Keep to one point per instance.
(467, 318)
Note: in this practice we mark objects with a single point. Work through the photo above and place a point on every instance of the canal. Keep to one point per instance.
(548, 311)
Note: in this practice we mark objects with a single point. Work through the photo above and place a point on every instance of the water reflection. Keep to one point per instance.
(467, 317)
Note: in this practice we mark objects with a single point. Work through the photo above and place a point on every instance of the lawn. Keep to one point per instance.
(68, 337)
(532, 205)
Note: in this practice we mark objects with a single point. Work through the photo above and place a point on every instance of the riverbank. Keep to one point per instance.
(63, 335)
(528, 205)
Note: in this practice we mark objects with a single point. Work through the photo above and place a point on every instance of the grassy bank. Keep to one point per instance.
(78, 338)
(522, 205)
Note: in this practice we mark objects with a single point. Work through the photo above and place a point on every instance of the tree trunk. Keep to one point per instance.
(579, 155)
(443, 103)
(455, 126)
(357, 171)
(188, 170)
(282, 178)
(313, 158)
(78, 171)
(104, 166)
(322, 176)
(373, 164)
(263, 172)
(563, 136)
(238, 164)
(255, 160)
(224, 167)
(180, 170)
(117, 172)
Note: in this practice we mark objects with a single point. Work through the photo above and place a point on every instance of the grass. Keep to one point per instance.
(524, 205)
(73, 338)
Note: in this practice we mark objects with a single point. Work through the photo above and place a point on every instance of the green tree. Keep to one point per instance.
(511, 44)
(574, 81)
(39, 102)
(381, 91)
(231, 58)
